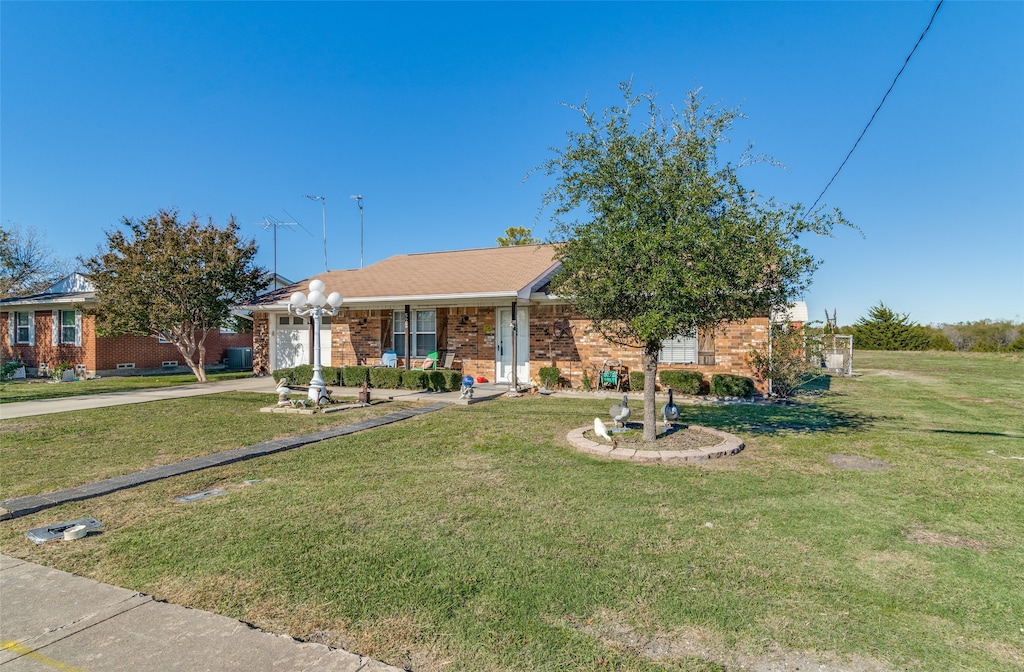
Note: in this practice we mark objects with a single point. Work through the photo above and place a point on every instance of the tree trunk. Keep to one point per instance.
(650, 362)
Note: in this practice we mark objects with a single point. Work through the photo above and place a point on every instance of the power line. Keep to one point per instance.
(875, 113)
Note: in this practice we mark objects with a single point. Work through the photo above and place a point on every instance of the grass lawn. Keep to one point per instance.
(34, 390)
(475, 539)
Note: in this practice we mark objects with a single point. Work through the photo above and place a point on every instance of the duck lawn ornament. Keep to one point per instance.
(282, 393)
(670, 412)
(601, 430)
(620, 412)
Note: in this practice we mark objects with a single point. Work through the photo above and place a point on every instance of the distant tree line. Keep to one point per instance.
(885, 329)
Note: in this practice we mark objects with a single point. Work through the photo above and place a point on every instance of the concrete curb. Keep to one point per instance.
(730, 445)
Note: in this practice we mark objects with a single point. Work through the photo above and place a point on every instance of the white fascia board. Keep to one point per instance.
(479, 297)
(41, 301)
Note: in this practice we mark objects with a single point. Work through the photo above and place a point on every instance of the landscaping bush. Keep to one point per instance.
(385, 378)
(682, 382)
(281, 373)
(301, 374)
(636, 381)
(728, 385)
(452, 379)
(549, 376)
(436, 381)
(355, 376)
(331, 374)
(414, 380)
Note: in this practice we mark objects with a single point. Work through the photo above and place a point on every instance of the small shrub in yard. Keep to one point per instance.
(549, 376)
(728, 385)
(385, 378)
(355, 376)
(414, 380)
(636, 381)
(282, 373)
(435, 381)
(331, 374)
(301, 374)
(452, 379)
(682, 382)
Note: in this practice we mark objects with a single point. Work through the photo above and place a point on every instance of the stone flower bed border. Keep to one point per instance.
(730, 445)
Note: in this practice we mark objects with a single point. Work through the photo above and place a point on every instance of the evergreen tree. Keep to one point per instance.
(884, 329)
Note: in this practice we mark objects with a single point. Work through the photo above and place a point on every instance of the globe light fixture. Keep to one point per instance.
(315, 305)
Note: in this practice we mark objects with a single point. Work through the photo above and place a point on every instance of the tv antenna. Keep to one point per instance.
(268, 223)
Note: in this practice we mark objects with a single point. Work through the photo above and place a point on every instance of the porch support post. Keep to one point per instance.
(408, 338)
(515, 344)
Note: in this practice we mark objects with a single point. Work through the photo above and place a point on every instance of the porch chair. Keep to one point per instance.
(389, 359)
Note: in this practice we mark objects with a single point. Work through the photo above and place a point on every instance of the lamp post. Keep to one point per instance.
(359, 202)
(323, 208)
(315, 306)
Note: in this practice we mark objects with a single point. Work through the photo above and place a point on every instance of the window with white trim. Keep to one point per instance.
(68, 327)
(422, 332)
(679, 350)
(23, 328)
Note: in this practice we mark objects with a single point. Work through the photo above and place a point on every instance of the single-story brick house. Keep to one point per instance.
(47, 328)
(462, 302)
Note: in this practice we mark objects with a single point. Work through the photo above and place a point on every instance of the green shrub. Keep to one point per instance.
(331, 374)
(939, 341)
(682, 382)
(301, 374)
(385, 378)
(355, 376)
(435, 381)
(549, 376)
(728, 385)
(636, 381)
(281, 373)
(452, 379)
(414, 380)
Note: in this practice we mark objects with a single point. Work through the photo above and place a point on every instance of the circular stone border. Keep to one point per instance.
(730, 445)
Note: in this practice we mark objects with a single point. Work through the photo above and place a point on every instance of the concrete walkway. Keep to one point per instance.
(52, 620)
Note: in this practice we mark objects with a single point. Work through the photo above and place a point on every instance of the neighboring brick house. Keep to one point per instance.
(45, 329)
(461, 302)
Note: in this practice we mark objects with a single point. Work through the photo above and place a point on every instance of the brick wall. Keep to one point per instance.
(103, 354)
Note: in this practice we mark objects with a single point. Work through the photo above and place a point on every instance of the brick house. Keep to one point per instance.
(462, 302)
(48, 328)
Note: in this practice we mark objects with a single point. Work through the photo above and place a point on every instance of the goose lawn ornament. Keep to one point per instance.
(620, 412)
(670, 411)
(601, 430)
(282, 393)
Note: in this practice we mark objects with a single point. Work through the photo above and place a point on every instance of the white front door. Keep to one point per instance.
(504, 354)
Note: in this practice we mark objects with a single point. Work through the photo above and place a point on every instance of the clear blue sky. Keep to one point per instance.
(435, 112)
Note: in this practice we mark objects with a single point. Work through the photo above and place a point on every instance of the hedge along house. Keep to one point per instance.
(45, 329)
(462, 303)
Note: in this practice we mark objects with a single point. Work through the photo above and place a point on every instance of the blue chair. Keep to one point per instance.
(390, 359)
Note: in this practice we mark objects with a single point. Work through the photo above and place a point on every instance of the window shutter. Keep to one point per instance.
(679, 350)
(12, 317)
(78, 328)
(55, 331)
(32, 328)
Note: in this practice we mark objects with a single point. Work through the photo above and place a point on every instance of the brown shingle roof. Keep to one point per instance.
(464, 274)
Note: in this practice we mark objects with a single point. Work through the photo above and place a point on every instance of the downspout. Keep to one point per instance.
(408, 338)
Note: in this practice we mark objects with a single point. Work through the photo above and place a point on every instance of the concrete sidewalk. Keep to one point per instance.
(24, 409)
(52, 620)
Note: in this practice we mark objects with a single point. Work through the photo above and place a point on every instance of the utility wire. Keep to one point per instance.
(925, 32)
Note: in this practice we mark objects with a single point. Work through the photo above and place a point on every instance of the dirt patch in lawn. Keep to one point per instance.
(918, 536)
(676, 438)
(702, 643)
(858, 463)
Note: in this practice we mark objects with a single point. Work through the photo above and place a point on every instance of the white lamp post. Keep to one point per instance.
(315, 306)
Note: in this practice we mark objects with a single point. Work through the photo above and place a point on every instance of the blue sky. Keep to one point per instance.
(435, 112)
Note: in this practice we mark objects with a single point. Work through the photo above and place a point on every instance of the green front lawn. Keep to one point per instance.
(475, 538)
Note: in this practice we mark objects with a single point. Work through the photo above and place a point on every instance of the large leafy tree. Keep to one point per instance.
(657, 237)
(172, 279)
(517, 235)
(27, 264)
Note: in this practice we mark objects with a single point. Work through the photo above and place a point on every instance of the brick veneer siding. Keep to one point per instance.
(103, 354)
(470, 333)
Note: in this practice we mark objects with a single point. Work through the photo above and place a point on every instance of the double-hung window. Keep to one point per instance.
(422, 332)
(68, 327)
(681, 349)
(23, 328)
